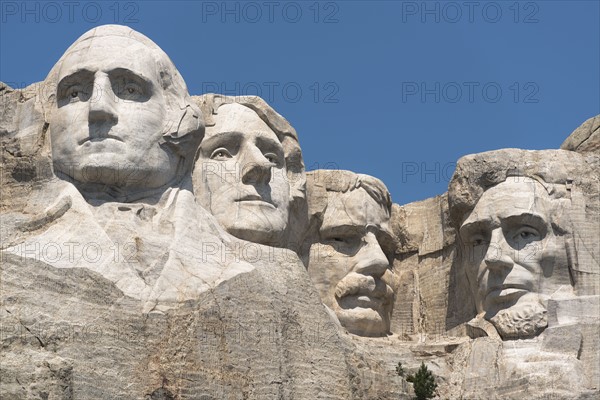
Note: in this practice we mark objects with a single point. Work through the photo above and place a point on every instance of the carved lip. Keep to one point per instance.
(375, 301)
(253, 198)
(370, 301)
(378, 295)
(99, 139)
(507, 290)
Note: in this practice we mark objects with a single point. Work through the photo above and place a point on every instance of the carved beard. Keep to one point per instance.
(521, 321)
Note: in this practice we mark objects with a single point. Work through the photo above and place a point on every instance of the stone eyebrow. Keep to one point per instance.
(73, 76)
(116, 70)
(264, 138)
(127, 71)
(474, 225)
(342, 229)
(270, 142)
(234, 135)
(528, 218)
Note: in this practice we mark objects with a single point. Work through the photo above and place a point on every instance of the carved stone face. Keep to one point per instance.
(349, 265)
(241, 176)
(110, 116)
(511, 253)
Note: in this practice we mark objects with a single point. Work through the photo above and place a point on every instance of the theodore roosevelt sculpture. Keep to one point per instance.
(349, 248)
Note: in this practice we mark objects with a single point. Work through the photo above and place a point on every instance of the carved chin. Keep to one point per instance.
(364, 321)
(258, 224)
(267, 235)
(521, 321)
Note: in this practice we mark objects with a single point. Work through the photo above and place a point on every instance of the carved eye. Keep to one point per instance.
(477, 240)
(334, 240)
(132, 88)
(272, 158)
(220, 154)
(74, 89)
(342, 241)
(131, 91)
(526, 234)
(74, 93)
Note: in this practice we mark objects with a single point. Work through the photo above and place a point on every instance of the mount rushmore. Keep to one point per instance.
(157, 245)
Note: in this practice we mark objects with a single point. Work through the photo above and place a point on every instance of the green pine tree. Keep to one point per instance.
(423, 383)
(399, 369)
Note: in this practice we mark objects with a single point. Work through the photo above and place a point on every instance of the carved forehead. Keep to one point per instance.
(513, 197)
(115, 34)
(108, 53)
(237, 118)
(353, 208)
(117, 46)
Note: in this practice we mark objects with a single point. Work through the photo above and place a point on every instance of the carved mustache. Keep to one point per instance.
(359, 284)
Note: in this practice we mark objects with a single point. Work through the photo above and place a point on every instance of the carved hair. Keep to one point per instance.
(470, 180)
(340, 181)
(184, 126)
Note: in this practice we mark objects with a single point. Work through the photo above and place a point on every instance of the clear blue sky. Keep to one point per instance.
(395, 89)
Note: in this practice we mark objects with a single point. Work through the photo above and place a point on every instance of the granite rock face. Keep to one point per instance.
(157, 245)
(586, 138)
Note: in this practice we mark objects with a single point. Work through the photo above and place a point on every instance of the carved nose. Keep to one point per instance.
(102, 101)
(498, 254)
(256, 168)
(372, 259)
